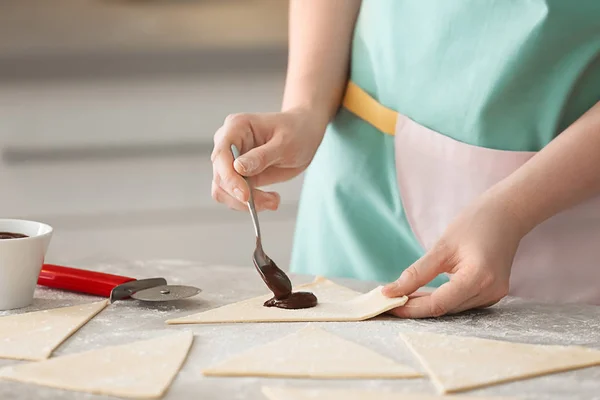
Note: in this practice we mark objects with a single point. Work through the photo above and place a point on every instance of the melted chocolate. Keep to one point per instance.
(276, 280)
(11, 235)
(294, 301)
(281, 286)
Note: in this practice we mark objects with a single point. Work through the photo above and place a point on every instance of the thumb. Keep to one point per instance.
(417, 275)
(257, 160)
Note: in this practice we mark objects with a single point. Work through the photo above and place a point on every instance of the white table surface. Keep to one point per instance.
(128, 321)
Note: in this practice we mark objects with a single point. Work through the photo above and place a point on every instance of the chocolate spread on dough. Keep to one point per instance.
(294, 301)
(12, 235)
(280, 285)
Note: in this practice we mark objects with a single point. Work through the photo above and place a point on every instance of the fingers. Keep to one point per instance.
(419, 294)
(491, 293)
(422, 306)
(414, 308)
(237, 130)
(419, 274)
(477, 302)
(463, 292)
(274, 175)
(223, 197)
(258, 159)
(438, 303)
(263, 200)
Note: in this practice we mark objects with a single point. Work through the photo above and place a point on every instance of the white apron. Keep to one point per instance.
(438, 176)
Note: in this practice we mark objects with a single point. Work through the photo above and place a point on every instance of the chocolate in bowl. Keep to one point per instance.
(12, 235)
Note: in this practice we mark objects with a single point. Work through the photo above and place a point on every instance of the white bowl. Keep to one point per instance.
(21, 261)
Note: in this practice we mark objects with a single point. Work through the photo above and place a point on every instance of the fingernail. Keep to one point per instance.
(246, 165)
(391, 288)
(386, 290)
(238, 194)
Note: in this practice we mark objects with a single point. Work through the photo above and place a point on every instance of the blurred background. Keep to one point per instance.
(107, 112)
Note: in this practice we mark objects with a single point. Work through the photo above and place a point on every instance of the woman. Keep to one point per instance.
(462, 148)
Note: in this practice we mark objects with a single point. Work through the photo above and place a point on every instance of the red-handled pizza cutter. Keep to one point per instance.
(114, 287)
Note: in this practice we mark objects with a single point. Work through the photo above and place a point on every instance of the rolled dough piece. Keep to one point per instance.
(336, 303)
(312, 353)
(458, 363)
(276, 393)
(139, 370)
(35, 335)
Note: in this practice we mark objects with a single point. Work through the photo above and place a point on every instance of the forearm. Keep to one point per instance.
(563, 174)
(320, 37)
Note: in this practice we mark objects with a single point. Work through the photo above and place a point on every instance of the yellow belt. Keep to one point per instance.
(361, 104)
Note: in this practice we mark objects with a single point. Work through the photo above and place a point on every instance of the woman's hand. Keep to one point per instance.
(275, 147)
(478, 249)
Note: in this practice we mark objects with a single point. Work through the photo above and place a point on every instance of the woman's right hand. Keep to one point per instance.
(274, 147)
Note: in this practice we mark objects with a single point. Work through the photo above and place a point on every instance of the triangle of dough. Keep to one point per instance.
(138, 370)
(312, 353)
(336, 303)
(276, 393)
(458, 363)
(35, 335)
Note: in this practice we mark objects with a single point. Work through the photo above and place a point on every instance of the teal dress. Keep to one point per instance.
(506, 75)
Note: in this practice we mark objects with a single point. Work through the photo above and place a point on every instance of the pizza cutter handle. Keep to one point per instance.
(80, 280)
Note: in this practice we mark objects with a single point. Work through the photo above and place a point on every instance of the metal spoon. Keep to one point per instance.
(277, 281)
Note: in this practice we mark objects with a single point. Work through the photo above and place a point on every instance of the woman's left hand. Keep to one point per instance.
(478, 249)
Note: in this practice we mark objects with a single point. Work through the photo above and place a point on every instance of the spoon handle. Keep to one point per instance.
(251, 206)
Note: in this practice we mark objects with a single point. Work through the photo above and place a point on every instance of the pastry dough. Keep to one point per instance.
(139, 370)
(35, 335)
(275, 393)
(336, 303)
(458, 363)
(312, 353)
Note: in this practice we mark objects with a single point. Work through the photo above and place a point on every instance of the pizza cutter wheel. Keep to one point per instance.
(162, 292)
(114, 287)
